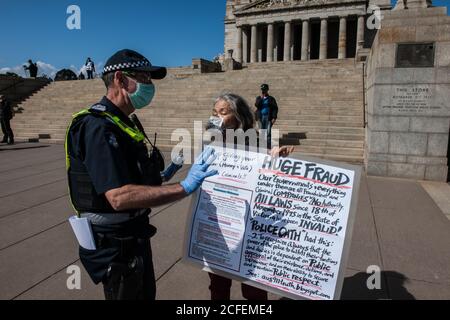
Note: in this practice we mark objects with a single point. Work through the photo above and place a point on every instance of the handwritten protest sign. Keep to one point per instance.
(280, 224)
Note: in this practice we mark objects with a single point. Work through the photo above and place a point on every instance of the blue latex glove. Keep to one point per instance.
(198, 172)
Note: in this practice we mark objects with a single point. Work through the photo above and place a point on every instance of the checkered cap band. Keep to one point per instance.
(128, 65)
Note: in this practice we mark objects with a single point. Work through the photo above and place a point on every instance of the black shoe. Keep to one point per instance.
(11, 142)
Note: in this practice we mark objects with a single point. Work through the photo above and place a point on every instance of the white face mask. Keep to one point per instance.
(215, 123)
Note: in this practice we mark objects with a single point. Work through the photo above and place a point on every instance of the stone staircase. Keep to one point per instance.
(321, 105)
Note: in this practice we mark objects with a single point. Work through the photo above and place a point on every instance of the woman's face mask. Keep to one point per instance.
(215, 123)
(223, 118)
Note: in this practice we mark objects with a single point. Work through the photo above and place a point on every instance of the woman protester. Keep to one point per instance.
(231, 111)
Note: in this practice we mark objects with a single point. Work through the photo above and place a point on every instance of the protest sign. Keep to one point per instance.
(280, 224)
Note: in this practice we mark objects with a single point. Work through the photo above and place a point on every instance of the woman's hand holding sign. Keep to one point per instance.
(282, 151)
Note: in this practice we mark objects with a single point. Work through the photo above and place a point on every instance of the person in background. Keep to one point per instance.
(6, 114)
(90, 68)
(33, 68)
(233, 112)
(266, 111)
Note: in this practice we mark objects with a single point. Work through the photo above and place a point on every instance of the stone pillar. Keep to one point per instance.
(276, 44)
(360, 34)
(292, 42)
(239, 45)
(287, 41)
(407, 114)
(244, 45)
(260, 44)
(305, 40)
(342, 38)
(323, 39)
(270, 42)
(253, 48)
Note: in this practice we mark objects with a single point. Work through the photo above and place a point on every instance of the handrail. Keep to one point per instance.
(364, 93)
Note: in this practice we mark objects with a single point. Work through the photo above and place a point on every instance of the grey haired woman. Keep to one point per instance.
(231, 111)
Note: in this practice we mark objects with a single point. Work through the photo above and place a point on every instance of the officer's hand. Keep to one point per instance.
(198, 172)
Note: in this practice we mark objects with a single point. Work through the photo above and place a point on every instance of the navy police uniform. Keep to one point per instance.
(105, 151)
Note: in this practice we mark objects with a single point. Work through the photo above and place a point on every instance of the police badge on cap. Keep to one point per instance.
(129, 60)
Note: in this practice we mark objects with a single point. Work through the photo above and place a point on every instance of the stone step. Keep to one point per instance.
(177, 108)
(345, 144)
(352, 152)
(320, 105)
(281, 85)
(168, 130)
(155, 111)
(356, 160)
(61, 123)
(338, 158)
(332, 143)
(284, 94)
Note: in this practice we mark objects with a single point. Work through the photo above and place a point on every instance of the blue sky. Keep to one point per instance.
(169, 32)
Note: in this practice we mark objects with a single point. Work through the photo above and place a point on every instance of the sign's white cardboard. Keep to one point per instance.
(280, 224)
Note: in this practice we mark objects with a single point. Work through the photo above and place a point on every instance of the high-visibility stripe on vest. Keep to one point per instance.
(132, 132)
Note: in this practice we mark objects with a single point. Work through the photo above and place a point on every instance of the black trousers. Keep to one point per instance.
(90, 74)
(131, 277)
(8, 135)
(123, 260)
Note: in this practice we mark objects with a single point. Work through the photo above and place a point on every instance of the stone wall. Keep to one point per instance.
(408, 108)
(204, 66)
(17, 89)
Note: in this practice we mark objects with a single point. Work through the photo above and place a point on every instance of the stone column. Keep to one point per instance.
(260, 44)
(305, 40)
(239, 45)
(276, 45)
(287, 41)
(292, 42)
(323, 39)
(360, 34)
(342, 38)
(244, 45)
(270, 42)
(253, 48)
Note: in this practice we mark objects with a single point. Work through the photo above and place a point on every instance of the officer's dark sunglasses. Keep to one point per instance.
(141, 77)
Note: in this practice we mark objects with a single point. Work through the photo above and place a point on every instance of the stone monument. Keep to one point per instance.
(408, 94)
(260, 31)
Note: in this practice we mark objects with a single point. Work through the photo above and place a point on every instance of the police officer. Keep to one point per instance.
(114, 179)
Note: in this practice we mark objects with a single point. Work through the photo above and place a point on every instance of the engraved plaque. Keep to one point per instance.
(415, 55)
(412, 100)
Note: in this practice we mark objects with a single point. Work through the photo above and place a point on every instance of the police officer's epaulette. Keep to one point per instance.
(97, 108)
